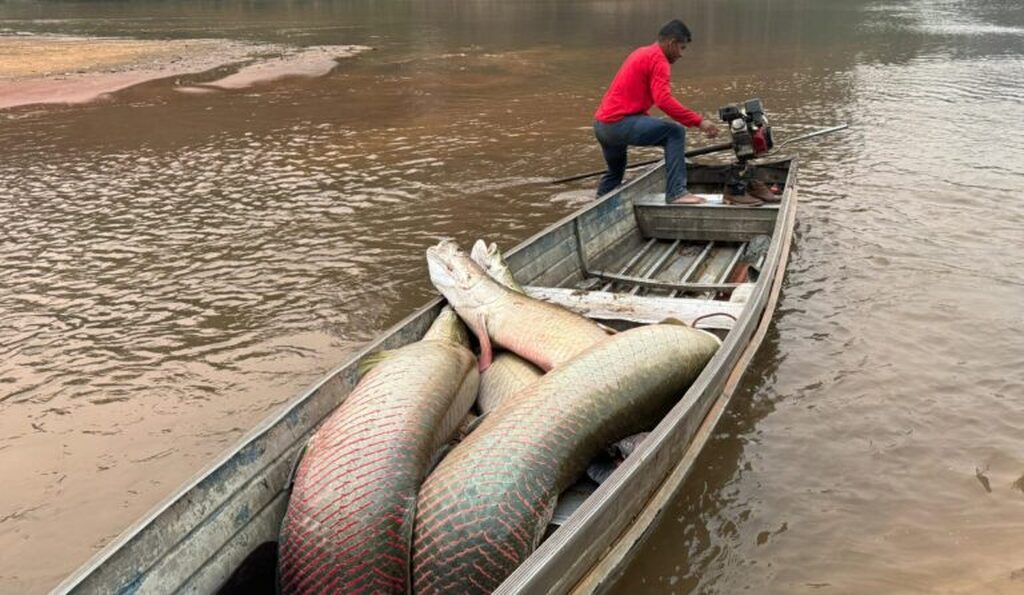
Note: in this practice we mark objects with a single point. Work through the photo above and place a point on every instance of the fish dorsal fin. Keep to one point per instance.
(371, 360)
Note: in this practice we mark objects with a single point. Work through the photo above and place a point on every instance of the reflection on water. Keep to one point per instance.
(176, 266)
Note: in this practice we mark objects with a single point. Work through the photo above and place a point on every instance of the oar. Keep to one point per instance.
(705, 151)
(821, 132)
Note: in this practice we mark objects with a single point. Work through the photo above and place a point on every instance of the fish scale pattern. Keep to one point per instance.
(483, 510)
(507, 375)
(542, 333)
(348, 527)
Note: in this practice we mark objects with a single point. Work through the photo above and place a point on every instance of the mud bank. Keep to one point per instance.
(57, 69)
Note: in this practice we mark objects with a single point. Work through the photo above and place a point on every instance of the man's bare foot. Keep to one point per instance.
(687, 199)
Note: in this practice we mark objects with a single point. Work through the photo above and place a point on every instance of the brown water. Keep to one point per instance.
(174, 267)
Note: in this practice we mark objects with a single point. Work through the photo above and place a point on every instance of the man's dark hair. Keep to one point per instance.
(677, 30)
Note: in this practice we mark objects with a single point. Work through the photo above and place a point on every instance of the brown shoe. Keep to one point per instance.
(743, 200)
(687, 199)
(761, 191)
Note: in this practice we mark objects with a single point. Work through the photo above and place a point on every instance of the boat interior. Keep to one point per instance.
(632, 259)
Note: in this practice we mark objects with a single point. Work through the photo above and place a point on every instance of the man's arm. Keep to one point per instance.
(662, 94)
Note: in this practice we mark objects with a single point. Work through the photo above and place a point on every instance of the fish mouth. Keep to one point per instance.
(442, 263)
(482, 253)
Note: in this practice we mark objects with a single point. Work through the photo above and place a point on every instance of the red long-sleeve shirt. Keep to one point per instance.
(643, 81)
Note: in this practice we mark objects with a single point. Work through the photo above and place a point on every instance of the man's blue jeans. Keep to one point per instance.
(642, 131)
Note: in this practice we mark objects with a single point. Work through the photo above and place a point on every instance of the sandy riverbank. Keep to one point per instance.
(58, 69)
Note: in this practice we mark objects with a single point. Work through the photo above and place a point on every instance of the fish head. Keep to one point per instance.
(483, 255)
(461, 281)
(489, 257)
(479, 253)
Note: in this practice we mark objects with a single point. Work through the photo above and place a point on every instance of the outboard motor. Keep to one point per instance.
(748, 126)
(751, 137)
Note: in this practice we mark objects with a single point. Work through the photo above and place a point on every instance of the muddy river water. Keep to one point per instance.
(175, 266)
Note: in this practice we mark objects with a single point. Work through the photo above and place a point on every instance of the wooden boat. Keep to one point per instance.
(626, 259)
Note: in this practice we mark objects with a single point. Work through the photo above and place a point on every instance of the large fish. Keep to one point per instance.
(484, 509)
(545, 334)
(508, 373)
(348, 527)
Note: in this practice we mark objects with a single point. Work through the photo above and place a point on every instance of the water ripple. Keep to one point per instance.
(174, 267)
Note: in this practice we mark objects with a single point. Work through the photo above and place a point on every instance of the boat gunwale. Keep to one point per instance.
(196, 480)
(623, 548)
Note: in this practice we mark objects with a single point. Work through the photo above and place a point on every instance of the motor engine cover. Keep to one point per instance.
(748, 127)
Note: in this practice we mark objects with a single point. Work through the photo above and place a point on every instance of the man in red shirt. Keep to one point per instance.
(622, 120)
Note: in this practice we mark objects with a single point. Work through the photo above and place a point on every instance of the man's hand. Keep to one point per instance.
(708, 128)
